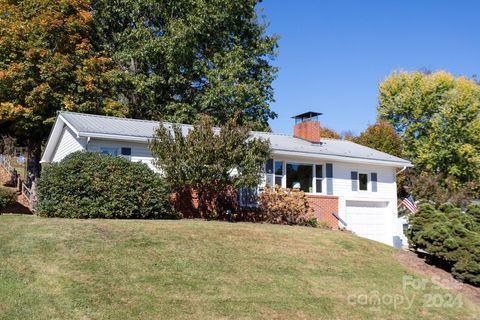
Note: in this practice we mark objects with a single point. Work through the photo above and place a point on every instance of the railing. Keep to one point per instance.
(339, 219)
(333, 214)
(5, 164)
(29, 195)
(17, 182)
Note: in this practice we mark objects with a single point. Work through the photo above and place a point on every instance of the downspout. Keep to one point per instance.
(86, 145)
(405, 167)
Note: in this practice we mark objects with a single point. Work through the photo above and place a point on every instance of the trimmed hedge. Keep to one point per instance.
(450, 236)
(7, 197)
(94, 185)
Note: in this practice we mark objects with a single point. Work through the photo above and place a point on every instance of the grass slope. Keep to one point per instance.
(104, 269)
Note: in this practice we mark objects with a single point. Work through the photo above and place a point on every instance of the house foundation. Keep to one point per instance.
(323, 207)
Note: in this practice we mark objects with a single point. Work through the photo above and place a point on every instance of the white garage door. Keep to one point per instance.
(369, 220)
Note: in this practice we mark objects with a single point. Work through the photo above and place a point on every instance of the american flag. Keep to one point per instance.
(409, 203)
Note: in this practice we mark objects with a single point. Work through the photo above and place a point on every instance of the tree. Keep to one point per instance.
(209, 161)
(329, 133)
(438, 118)
(48, 63)
(381, 136)
(183, 58)
(435, 189)
(348, 135)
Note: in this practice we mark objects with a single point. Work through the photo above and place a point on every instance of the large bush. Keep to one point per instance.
(286, 206)
(437, 189)
(94, 185)
(449, 236)
(209, 161)
(7, 197)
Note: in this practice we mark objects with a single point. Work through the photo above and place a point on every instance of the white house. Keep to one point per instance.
(348, 184)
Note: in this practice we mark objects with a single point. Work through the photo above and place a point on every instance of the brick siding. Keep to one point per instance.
(308, 130)
(323, 207)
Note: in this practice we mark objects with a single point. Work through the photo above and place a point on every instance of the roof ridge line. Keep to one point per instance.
(128, 119)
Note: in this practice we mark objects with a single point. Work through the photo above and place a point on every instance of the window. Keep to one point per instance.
(278, 172)
(126, 151)
(274, 172)
(363, 181)
(110, 151)
(248, 197)
(300, 176)
(318, 178)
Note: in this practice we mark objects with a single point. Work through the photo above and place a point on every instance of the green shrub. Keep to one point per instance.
(7, 197)
(450, 236)
(474, 211)
(94, 185)
(285, 206)
(468, 268)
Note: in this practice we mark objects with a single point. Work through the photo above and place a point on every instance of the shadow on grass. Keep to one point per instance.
(17, 208)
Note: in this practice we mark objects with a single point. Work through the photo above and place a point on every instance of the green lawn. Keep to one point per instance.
(106, 269)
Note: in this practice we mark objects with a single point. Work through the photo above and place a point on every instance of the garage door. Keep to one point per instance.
(368, 219)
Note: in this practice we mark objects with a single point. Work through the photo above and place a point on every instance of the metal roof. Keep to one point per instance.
(88, 125)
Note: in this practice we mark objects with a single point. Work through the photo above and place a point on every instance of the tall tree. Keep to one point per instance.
(48, 63)
(183, 58)
(329, 133)
(381, 136)
(438, 118)
(210, 161)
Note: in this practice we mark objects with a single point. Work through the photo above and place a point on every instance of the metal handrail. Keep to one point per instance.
(339, 219)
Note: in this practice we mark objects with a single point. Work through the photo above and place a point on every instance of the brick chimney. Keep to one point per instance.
(307, 126)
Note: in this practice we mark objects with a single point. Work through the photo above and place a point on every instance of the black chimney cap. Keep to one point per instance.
(307, 116)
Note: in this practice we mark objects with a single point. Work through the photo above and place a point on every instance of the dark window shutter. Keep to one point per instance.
(354, 176)
(318, 185)
(318, 171)
(329, 176)
(269, 166)
(374, 181)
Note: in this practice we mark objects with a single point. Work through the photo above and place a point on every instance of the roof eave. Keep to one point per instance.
(53, 139)
(342, 158)
(114, 137)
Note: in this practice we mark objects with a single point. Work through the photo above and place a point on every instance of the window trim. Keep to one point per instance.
(272, 175)
(322, 178)
(314, 176)
(275, 175)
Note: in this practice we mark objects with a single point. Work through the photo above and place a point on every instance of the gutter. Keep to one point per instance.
(340, 158)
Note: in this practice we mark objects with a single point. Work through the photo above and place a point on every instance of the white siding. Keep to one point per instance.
(386, 194)
(140, 151)
(67, 144)
(342, 184)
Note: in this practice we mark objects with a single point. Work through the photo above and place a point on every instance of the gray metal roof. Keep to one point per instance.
(123, 128)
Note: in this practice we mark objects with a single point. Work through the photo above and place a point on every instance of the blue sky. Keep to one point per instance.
(333, 54)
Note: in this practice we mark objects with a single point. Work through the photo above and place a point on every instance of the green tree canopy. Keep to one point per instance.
(438, 118)
(208, 160)
(163, 60)
(381, 136)
(183, 58)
